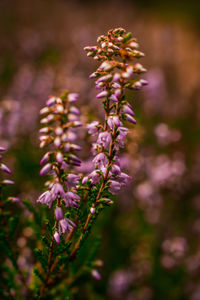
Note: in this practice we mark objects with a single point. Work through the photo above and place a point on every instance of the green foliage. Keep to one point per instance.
(127, 37)
(42, 258)
(13, 223)
(38, 274)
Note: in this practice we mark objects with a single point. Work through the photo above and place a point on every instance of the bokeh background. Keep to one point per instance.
(151, 237)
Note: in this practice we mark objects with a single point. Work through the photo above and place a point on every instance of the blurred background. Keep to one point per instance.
(151, 237)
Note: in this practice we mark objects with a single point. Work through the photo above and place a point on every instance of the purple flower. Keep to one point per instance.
(96, 274)
(114, 186)
(14, 199)
(118, 93)
(100, 160)
(116, 77)
(5, 168)
(116, 85)
(56, 237)
(115, 170)
(84, 180)
(72, 180)
(57, 191)
(92, 127)
(94, 176)
(123, 178)
(65, 225)
(71, 198)
(59, 157)
(114, 121)
(130, 119)
(113, 98)
(58, 213)
(45, 169)
(46, 198)
(59, 131)
(92, 210)
(102, 94)
(104, 139)
(128, 110)
(7, 181)
(72, 97)
(121, 137)
(104, 78)
(51, 101)
(106, 66)
(74, 160)
(45, 158)
(74, 110)
(57, 141)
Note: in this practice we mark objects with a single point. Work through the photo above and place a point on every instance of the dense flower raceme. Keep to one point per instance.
(60, 118)
(114, 75)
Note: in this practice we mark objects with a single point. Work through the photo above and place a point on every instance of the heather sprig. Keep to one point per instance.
(115, 74)
(60, 118)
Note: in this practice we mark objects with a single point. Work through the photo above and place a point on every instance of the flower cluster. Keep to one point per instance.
(113, 77)
(60, 120)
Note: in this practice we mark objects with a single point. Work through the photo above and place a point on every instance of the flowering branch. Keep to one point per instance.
(113, 77)
(60, 121)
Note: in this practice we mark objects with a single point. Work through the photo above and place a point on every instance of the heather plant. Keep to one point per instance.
(65, 212)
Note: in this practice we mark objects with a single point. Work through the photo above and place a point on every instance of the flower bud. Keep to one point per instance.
(102, 94)
(59, 157)
(96, 274)
(45, 158)
(92, 210)
(106, 66)
(7, 181)
(14, 199)
(51, 101)
(4, 168)
(58, 213)
(130, 119)
(72, 97)
(57, 141)
(45, 169)
(56, 237)
(59, 131)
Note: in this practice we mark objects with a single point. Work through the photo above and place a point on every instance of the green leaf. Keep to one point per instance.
(127, 37)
